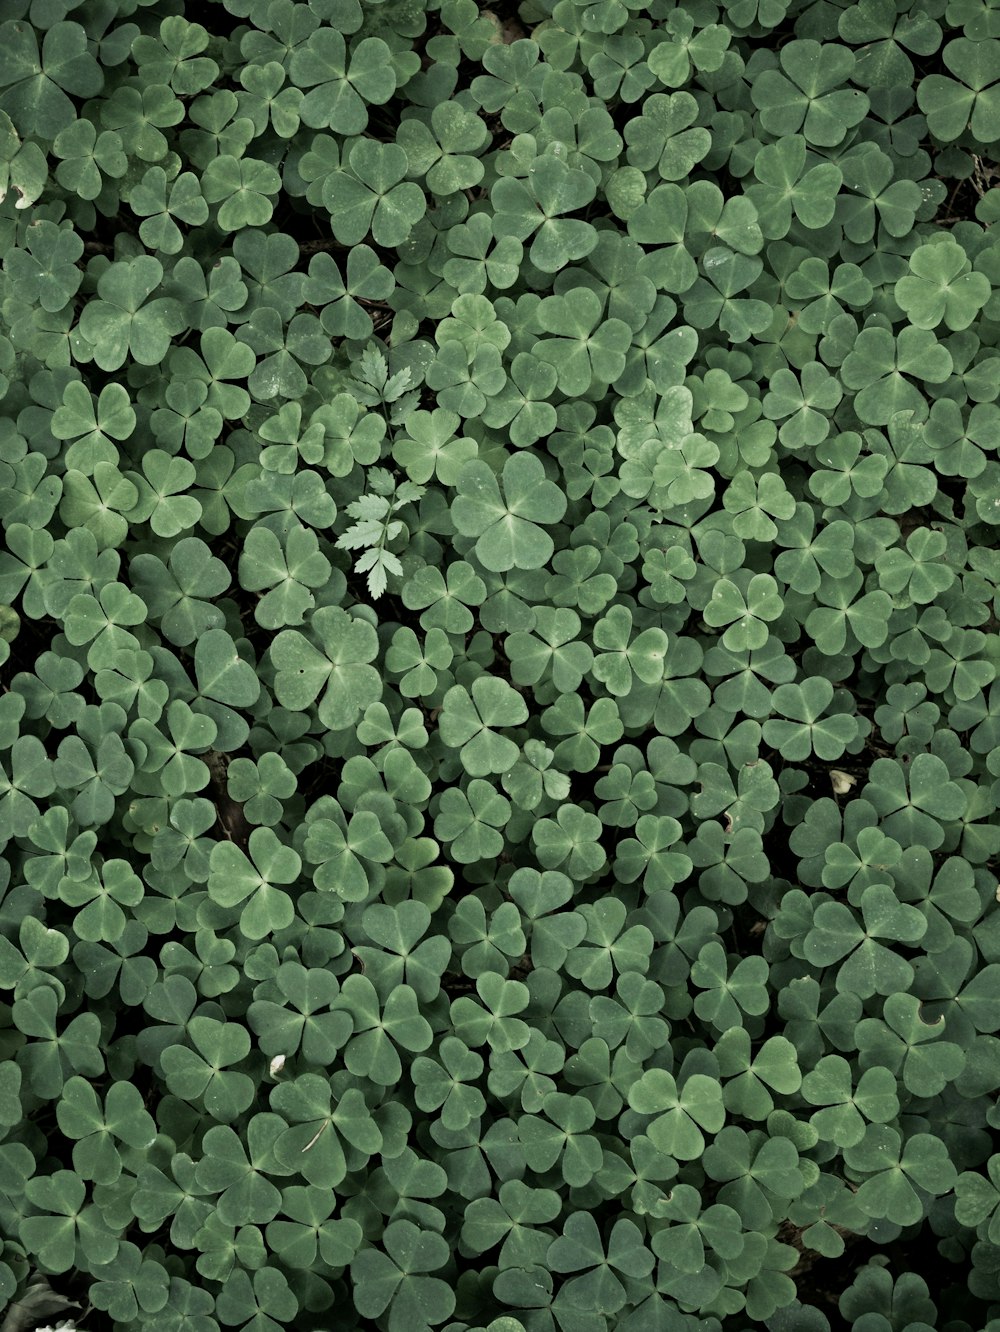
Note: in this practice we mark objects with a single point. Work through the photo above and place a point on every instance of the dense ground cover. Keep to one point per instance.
(499, 732)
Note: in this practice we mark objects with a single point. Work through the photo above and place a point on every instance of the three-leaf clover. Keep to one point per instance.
(807, 93)
(941, 287)
(339, 667)
(871, 966)
(396, 1277)
(236, 877)
(122, 321)
(538, 206)
(678, 1114)
(203, 1070)
(471, 720)
(508, 524)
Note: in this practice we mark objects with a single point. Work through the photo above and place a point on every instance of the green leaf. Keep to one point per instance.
(807, 95)
(969, 100)
(914, 802)
(398, 1276)
(539, 206)
(341, 86)
(122, 321)
(36, 82)
(341, 668)
(941, 287)
(681, 1113)
(509, 526)
(469, 723)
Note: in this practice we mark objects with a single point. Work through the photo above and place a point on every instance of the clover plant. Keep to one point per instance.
(499, 647)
